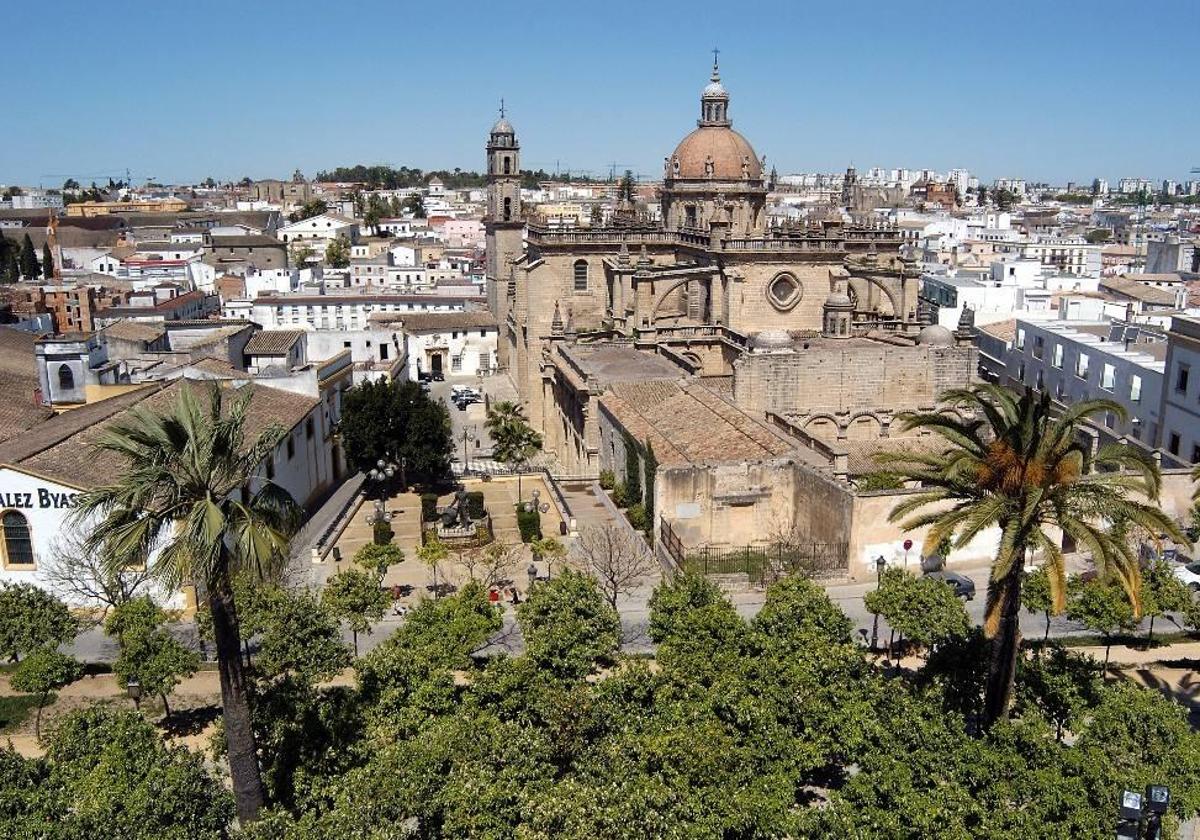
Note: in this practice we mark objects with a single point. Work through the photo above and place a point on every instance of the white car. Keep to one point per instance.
(1189, 574)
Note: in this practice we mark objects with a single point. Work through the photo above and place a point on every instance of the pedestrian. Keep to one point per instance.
(516, 597)
(493, 596)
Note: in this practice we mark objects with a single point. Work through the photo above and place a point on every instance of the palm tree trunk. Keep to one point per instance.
(239, 735)
(166, 709)
(1002, 666)
(1046, 637)
(1150, 640)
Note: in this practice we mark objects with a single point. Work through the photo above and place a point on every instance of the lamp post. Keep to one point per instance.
(134, 689)
(468, 434)
(1136, 809)
(879, 564)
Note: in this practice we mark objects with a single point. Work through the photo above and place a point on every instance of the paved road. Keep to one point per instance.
(94, 646)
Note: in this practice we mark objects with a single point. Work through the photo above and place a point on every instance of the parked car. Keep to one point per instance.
(964, 587)
(464, 390)
(424, 376)
(1190, 574)
(437, 376)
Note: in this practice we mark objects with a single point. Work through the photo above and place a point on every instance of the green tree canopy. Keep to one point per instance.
(149, 655)
(922, 609)
(568, 626)
(31, 619)
(399, 422)
(44, 671)
(337, 253)
(299, 636)
(107, 773)
(355, 596)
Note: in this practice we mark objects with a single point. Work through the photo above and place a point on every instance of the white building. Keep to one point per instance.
(333, 311)
(43, 470)
(1075, 361)
(319, 230)
(453, 343)
(1181, 391)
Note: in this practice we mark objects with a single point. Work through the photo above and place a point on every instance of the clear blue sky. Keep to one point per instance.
(1059, 90)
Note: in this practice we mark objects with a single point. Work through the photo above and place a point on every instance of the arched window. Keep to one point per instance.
(507, 165)
(507, 209)
(18, 546)
(581, 275)
(66, 379)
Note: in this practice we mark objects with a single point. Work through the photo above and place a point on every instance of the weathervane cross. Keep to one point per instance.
(502, 106)
(715, 53)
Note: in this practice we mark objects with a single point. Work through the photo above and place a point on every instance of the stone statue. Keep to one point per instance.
(745, 167)
(763, 163)
(675, 165)
(667, 167)
(709, 166)
(456, 513)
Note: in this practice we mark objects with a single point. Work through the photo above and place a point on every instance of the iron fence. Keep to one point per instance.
(760, 563)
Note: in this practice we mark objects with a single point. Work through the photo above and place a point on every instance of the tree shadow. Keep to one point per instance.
(193, 721)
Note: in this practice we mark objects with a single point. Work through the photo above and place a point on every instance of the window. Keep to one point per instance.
(581, 275)
(1039, 346)
(1173, 443)
(291, 447)
(507, 209)
(483, 333)
(1081, 366)
(1108, 377)
(784, 291)
(1021, 371)
(308, 428)
(1041, 380)
(456, 364)
(485, 361)
(507, 165)
(18, 544)
(1196, 453)
(1181, 379)
(1135, 388)
(1020, 339)
(66, 379)
(689, 216)
(271, 469)
(1057, 361)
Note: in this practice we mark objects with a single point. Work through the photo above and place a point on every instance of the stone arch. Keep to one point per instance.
(824, 426)
(672, 285)
(889, 293)
(866, 425)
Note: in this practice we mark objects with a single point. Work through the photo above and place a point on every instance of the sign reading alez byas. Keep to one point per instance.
(43, 499)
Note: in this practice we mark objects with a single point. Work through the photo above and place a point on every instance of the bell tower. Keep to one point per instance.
(504, 224)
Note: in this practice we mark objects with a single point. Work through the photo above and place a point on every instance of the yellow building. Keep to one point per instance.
(89, 209)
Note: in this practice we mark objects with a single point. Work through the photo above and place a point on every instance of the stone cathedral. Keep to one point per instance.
(691, 296)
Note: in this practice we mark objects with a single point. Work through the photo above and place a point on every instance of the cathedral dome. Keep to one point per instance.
(935, 335)
(727, 150)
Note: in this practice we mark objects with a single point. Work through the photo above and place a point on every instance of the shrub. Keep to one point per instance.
(383, 533)
(475, 506)
(607, 480)
(529, 523)
(637, 516)
(429, 507)
(620, 495)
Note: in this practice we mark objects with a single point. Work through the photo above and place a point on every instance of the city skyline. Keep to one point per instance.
(815, 90)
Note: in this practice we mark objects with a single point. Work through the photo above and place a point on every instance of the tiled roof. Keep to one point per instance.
(272, 342)
(65, 448)
(437, 321)
(1003, 330)
(692, 424)
(134, 331)
(17, 352)
(1131, 288)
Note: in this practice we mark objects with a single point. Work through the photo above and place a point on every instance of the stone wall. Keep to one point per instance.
(854, 377)
(737, 504)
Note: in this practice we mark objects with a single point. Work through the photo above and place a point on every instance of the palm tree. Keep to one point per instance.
(513, 440)
(1016, 464)
(186, 492)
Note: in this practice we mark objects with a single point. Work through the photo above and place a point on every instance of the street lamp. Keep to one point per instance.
(134, 689)
(879, 564)
(380, 513)
(532, 504)
(1136, 808)
(468, 434)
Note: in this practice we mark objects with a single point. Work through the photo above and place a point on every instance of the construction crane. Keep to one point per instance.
(613, 167)
(54, 249)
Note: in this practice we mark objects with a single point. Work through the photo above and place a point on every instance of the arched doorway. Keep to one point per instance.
(435, 363)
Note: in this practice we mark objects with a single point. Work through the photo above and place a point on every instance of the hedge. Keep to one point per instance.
(382, 533)
(529, 523)
(429, 503)
(475, 506)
